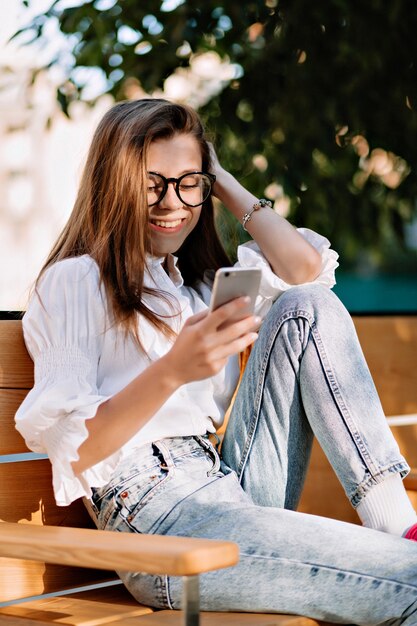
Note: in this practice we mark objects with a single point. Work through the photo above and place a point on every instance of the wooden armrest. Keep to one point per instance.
(410, 481)
(82, 547)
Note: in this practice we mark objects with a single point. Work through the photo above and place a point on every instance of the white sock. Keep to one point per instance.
(387, 507)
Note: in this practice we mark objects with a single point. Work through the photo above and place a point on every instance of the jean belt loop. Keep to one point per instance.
(208, 446)
(167, 460)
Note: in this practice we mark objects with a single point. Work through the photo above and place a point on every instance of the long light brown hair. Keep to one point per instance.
(110, 217)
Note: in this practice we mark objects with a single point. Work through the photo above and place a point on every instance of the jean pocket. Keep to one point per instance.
(136, 491)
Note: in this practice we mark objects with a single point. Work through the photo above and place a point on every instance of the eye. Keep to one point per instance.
(154, 184)
(192, 181)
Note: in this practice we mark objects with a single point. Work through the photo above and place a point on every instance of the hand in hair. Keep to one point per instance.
(289, 254)
(207, 340)
(215, 166)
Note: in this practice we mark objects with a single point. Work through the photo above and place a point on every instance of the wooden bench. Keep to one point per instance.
(46, 549)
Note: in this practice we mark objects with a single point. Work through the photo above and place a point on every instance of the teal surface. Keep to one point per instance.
(383, 293)
(24, 456)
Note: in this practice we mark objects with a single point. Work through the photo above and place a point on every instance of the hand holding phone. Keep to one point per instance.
(208, 339)
(234, 282)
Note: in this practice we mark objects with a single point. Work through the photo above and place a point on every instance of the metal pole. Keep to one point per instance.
(191, 600)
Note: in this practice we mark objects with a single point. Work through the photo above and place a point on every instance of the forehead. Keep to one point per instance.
(180, 152)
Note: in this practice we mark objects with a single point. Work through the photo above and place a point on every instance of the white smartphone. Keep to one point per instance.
(233, 282)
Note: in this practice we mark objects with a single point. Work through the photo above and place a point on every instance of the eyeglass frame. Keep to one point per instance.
(166, 181)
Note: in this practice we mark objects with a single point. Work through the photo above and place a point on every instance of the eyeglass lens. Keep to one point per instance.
(192, 189)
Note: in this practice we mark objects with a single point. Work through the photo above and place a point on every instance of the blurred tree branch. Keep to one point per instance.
(319, 109)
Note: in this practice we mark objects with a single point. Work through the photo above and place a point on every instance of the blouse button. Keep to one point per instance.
(124, 494)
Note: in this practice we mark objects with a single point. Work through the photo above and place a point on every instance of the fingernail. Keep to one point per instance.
(257, 319)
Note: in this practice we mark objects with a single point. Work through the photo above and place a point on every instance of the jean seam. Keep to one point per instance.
(341, 403)
(396, 467)
(168, 592)
(117, 486)
(163, 590)
(376, 473)
(326, 568)
(259, 392)
(170, 466)
(160, 591)
(145, 500)
(333, 387)
(158, 523)
(145, 468)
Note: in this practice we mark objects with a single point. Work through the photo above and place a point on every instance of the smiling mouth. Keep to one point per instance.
(167, 224)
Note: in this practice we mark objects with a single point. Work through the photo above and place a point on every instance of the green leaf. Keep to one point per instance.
(308, 71)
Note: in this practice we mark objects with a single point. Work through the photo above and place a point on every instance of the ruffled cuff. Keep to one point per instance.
(62, 442)
(59, 430)
(272, 286)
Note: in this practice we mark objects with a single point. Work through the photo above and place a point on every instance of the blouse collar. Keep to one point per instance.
(172, 265)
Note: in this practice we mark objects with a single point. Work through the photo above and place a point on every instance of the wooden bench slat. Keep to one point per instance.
(154, 554)
(158, 618)
(174, 618)
(389, 344)
(406, 437)
(10, 620)
(26, 496)
(22, 578)
(16, 366)
(88, 608)
(11, 442)
(410, 481)
(321, 480)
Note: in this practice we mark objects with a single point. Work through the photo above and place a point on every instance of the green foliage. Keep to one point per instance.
(327, 94)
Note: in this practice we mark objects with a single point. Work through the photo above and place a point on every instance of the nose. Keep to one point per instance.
(171, 200)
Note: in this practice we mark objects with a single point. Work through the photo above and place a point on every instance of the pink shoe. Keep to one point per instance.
(411, 533)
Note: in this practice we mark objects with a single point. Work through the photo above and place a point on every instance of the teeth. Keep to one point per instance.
(172, 224)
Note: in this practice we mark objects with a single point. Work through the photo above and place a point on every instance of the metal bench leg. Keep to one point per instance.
(191, 600)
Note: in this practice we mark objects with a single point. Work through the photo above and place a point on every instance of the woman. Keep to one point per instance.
(133, 374)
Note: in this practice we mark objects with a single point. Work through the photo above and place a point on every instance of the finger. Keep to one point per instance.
(196, 318)
(212, 150)
(227, 311)
(234, 347)
(233, 330)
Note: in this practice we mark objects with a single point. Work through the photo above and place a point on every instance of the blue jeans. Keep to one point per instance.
(306, 374)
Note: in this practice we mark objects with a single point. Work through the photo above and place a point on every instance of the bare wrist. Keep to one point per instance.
(168, 374)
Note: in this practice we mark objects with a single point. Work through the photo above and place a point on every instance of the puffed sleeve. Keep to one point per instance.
(272, 286)
(63, 330)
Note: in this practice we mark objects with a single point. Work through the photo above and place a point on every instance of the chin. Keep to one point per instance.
(159, 251)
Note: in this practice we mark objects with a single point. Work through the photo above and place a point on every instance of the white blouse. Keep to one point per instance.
(82, 359)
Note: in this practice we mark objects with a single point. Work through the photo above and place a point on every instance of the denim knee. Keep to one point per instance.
(311, 301)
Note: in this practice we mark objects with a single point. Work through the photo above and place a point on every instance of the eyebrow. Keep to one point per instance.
(190, 170)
